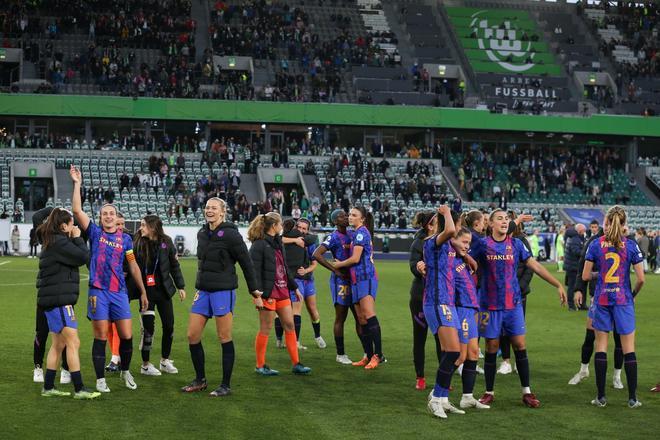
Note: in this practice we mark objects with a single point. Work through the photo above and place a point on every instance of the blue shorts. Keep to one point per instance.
(467, 317)
(619, 318)
(212, 304)
(341, 293)
(495, 323)
(60, 317)
(364, 288)
(103, 305)
(307, 288)
(441, 316)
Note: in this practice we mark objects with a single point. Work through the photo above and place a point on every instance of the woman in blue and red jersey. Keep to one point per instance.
(364, 285)
(108, 298)
(339, 245)
(498, 256)
(611, 256)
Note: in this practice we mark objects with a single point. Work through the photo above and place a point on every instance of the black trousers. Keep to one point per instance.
(571, 277)
(420, 331)
(148, 324)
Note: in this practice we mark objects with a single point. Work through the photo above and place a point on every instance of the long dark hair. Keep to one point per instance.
(422, 219)
(141, 242)
(368, 218)
(47, 231)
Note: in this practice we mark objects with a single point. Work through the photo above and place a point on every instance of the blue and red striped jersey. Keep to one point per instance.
(107, 258)
(439, 281)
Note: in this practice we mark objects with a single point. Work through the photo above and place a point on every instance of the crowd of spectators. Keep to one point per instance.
(538, 172)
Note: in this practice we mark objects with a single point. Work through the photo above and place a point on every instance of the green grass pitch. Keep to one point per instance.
(336, 401)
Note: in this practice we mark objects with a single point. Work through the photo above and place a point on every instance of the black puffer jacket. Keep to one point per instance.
(296, 256)
(573, 244)
(580, 284)
(58, 282)
(262, 253)
(417, 255)
(218, 251)
(168, 267)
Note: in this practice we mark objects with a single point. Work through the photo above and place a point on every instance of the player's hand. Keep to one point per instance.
(144, 302)
(299, 295)
(300, 242)
(472, 264)
(75, 174)
(421, 267)
(258, 303)
(75, 232)
(301, 271)
(444, 210)
(577, 299)
(256, 293)
(182, 294)
(524, 218)
(562, 296)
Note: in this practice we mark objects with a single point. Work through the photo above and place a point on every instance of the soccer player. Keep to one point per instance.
(339, 245)
(475, 221)
(364, 285)
(612, 256)
(439, 307)
(108, 299)
(156, 255)
(422, 221)
(63, 252)
(499, 256)
(590, 336)
(219, 247)
(113, 336)
(467, 308)
(276, 282)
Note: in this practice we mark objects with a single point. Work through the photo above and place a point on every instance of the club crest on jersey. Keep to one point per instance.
(508, 247)
(359, 237)
(221, 234)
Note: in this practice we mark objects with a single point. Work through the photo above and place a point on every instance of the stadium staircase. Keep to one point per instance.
(199, 11)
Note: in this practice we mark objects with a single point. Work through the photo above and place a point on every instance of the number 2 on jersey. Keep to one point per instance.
(610, 276)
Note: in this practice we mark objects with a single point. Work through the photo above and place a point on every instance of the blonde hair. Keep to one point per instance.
(261, 224)
(616, 219)
(223, 206)
(470, 218)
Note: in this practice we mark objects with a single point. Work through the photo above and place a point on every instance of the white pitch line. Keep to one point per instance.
(5, 262)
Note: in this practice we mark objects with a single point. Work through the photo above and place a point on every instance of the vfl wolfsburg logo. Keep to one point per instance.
(509, 53)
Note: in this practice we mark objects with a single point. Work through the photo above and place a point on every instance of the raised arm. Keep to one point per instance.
(450, 229)
(76, 202)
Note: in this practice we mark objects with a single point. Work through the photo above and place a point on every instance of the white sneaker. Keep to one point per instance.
(451, 409)
(167, 366)
(320, 342)
(471, 402)
(343, 359)
(579, 377)
(459, 370)
(148, 370)
(301, 347)
(38, 375)
(657, 271)
(505, 368)
(481, 354)
(101, 386)
(128, 379)
(279, 343)
(480, 370)
(435, 407)
(616, 382)
(65, 377)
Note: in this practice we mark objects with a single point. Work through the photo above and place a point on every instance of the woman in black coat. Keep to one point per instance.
(276, 283)
(156, 255)
(58, 284)
(219, 247)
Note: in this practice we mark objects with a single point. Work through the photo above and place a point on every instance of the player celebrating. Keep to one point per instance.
(156, 256)
(219, 247)
(364, 285)
(63, 251)
(613, 306)
(108, 299)
(339, 244)
(275, 281)
(498, 257)
(439, 307)
(467, 307)
(422, 221)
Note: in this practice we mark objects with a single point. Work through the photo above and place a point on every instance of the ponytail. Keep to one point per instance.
(616, 218)
(368, 219)
(261, 224)
(470, 218)
(52, 226)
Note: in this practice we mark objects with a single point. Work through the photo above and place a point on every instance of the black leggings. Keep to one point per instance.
(40, 340)
(147, 324)
(420, 331)
(505, 341)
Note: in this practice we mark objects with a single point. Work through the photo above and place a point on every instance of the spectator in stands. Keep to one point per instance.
(109, 195)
